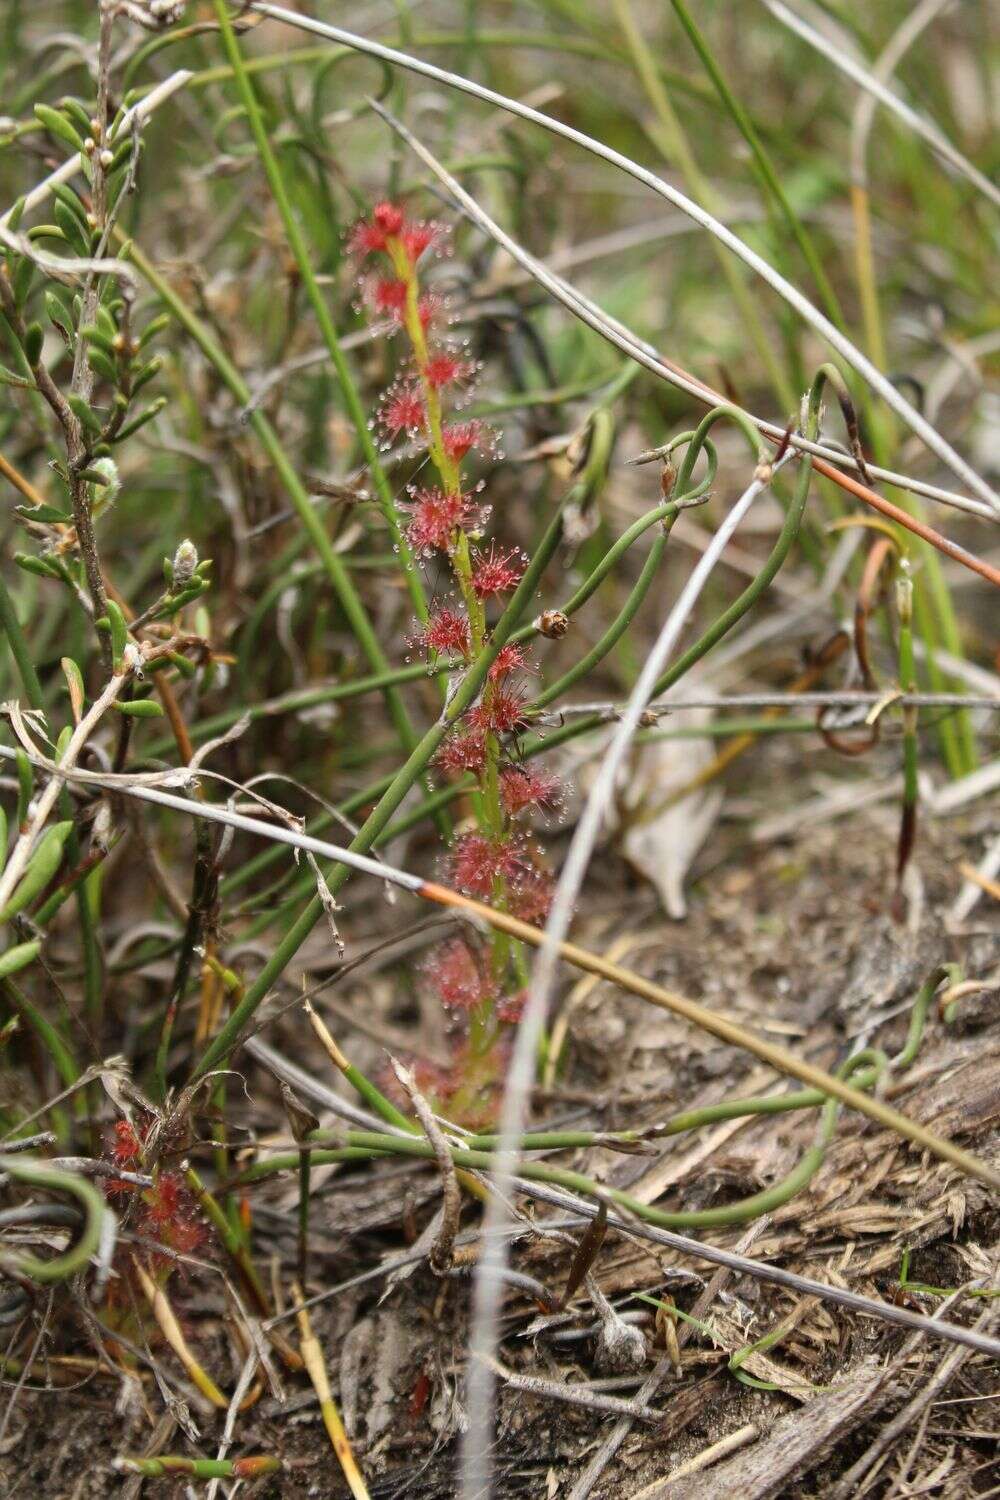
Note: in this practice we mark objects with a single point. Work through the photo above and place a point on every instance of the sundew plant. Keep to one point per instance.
(498, 587)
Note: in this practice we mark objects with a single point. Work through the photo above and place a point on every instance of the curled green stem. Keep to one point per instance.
(37, 1174)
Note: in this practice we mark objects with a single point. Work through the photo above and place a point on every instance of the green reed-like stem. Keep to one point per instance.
(339, 575)
(300, 251)
(463, 697)
(762, 163)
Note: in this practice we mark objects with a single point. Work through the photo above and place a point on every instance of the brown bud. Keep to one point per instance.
(300, 1116)
(552, 623)
(668, 478)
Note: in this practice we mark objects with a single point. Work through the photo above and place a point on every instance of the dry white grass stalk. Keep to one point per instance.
(872, 83)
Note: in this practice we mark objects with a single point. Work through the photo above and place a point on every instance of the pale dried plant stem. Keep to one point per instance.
(442, 1252)
(312, 1358)
(170, 1328)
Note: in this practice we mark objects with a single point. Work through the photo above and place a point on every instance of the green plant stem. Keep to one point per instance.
(463, 697)
(746, 1209)
(671, 139)
(166, 1464)
(618, 626)
(300, 251)
(338, 574)
(762, 162)
(39, 1175)
(19, 648)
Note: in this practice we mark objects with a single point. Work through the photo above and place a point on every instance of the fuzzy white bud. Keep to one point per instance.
(185, 562)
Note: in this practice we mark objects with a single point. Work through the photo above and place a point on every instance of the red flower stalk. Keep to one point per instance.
(500, 712)
(446, 631)
(497, 571)
(459, 438)
(464, 750)
(402, 410)
(522, 787)
(437, 515)
(509, 658)
(459, 976)
(445, 368)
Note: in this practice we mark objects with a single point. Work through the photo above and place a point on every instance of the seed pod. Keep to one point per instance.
(552, 623)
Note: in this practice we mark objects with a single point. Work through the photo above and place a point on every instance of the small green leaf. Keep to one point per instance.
(40, 566)
(123, 154)
(34, 337)
(140, 708)
(152, 328)
(50, 514)
(42, 865)
(24, 275)
(18, 957)
(7, 377)
(58, 315)
(58, 125)
(153, 410)
(70, 201)
(78, 111)
(46, 232)
(99, 362)
(146, 374)
(119, 636)
(87, 418)
(95, 335)
(71, 227)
